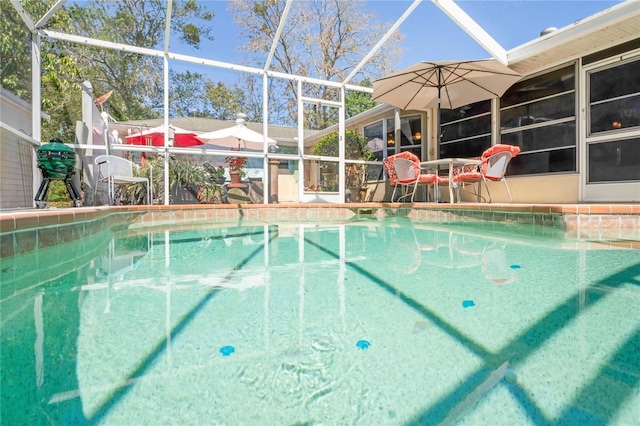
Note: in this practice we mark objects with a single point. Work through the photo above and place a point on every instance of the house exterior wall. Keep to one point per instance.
(552, 189)
(18, 172)
(545, 186)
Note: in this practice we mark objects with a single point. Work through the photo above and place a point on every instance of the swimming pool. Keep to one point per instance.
(371, 321)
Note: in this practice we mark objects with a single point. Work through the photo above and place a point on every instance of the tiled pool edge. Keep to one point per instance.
(28, 230)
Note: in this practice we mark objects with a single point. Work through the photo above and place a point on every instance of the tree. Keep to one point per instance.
(225, 102)
(15, 52)
(355, 146)
(325, 39)
(357, 102)
(135, 79)
(187, 96)
(59, 68)
(355, 149)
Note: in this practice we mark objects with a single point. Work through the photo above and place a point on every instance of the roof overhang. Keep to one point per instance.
(616, 25)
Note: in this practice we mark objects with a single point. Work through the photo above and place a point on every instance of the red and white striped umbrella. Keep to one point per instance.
(155, 137)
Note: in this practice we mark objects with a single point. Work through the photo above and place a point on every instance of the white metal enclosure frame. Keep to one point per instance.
(525, 59)
(39, 32)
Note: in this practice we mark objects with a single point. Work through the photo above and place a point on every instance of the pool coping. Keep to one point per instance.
(26, 230)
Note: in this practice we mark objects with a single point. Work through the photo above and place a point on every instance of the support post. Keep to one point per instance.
(273, 181)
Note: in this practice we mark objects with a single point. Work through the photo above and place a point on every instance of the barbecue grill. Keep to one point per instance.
(56, 161)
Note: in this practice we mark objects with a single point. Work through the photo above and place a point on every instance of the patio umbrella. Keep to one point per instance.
(375, 144)
(444, 84)
(155, 137)
(238, 137)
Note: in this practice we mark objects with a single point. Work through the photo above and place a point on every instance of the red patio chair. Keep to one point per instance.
(493, 167)
(404, 171)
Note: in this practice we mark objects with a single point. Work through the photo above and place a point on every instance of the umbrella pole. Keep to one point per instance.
(438, 130)
(438, 121)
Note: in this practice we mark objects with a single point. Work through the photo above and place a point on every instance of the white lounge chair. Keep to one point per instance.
(114, 170)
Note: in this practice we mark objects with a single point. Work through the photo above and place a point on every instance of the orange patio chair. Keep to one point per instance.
(493, 168)
(404, 171)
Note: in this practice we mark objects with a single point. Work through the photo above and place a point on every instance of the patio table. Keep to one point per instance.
(449, 163)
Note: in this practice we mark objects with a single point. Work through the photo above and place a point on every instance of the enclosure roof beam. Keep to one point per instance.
(167, 26)
(45, 18)
(382, 41)
(101, 43)
(472, 28)
(26, 18)
(192, 59)
(276, 38)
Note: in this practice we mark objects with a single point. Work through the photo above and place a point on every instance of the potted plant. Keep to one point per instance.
(189, 183)
(216, 173)
(236, 167)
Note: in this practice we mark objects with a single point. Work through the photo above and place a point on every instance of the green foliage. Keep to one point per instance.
(202, 180)
(355, 147)
(193, 94)
(58, 194)
(357, 102)
(191, 34)
(60, 71)
(187, 96)
(225, 102)
(136, 80)
(15, 53)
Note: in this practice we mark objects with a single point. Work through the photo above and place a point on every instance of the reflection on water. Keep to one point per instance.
(133, 328)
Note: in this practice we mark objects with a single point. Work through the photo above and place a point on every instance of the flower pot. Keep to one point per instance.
(235, 176)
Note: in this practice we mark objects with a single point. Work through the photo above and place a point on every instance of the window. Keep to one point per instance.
(613, 146)
(465, 131)
(538, 115)
(615, 161)
(410, 134)
(382, 143)
(614, 98)
(374, 133)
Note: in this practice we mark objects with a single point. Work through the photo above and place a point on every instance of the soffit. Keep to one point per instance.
(602, 31)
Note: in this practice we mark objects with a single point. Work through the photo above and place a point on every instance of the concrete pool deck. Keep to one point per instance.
(25, 230)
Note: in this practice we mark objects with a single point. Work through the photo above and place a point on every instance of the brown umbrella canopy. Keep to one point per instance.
(444, 84)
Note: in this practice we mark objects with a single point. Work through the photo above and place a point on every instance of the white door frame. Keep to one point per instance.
(601, 191)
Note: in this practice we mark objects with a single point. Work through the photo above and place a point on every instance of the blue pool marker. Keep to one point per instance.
(468, 304)
(363, 344)
(227, 350)
(515, 266)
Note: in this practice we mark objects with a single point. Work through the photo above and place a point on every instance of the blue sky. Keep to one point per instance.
(429, 33)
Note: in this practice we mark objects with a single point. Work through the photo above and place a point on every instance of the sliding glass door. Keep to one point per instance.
(611, 157)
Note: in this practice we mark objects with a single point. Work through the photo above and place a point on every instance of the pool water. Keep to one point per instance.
(365, 322)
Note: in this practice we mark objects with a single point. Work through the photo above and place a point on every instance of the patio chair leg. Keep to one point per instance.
(413, 194)
(507, 187)
(488, 192)
(406, 193)
(112, 192)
